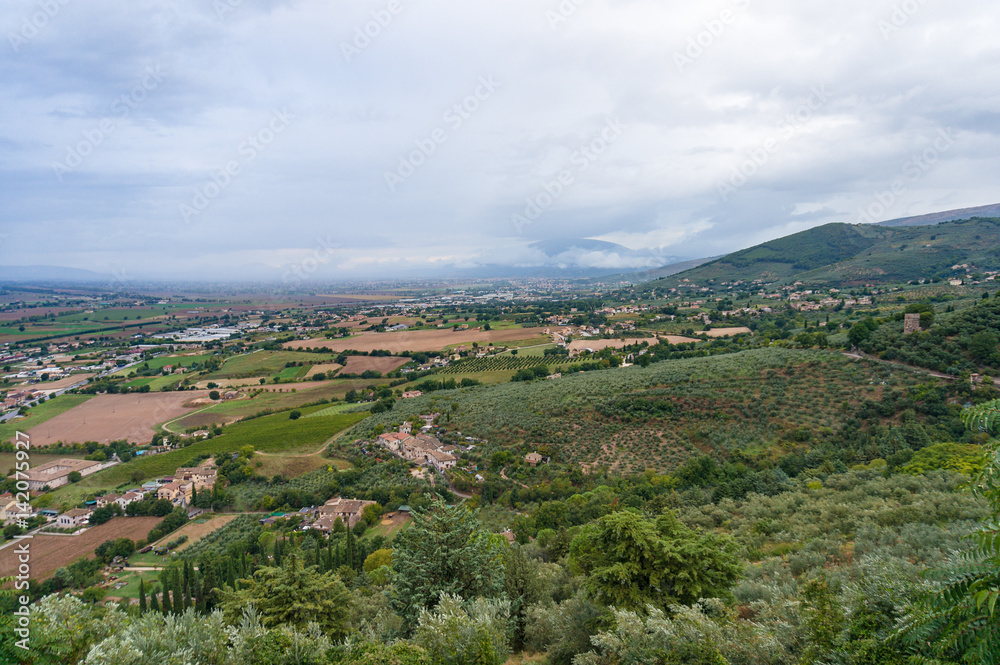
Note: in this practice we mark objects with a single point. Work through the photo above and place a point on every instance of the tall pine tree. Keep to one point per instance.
(142, 595)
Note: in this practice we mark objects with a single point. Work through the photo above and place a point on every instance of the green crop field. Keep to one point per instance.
(331, 410)
(275, 434)
(272, 400)
(261, 363)
(131, 578)
(41, 413)
(162, 361)
(289, 373)
(155, 383)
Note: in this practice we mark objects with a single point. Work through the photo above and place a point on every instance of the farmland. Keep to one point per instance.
(380, 364)
(270, 434)
(330, 369)
(61, 384)
(418, 340)
(41, 414)
(160, 362)
(601, 344)
(51, 552)
(107, 418)
(505, 363)
(724, 332)
(196, 530)
(272, 399)
(259, 364)
(7, 460)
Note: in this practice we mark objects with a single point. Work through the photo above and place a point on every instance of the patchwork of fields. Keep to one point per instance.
(419, 340)
(50, 552)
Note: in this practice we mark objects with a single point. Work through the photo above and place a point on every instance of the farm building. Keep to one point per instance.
(201, 476)
(176, 491)
(56, 474)
(103, 501)
(440, 460)
(75, 517)
(348, 510)
(129, 497)
(9, 507)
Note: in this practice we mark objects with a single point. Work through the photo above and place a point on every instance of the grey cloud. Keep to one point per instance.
(889, 92)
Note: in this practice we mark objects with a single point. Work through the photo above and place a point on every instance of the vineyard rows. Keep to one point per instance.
(505, 363)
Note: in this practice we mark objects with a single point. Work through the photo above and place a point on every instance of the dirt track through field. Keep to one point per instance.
(107, 418)
(419, 340)
(48, 553)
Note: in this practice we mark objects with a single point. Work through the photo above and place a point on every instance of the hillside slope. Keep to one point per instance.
(851, 254)
(758, 404)
(963, 341)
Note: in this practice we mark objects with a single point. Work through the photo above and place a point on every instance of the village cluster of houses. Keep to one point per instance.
(324, 518)
(178, 489)
(421, 447)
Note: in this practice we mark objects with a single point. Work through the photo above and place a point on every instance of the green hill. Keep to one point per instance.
(758, 405)
(962, 341)
(852, 254)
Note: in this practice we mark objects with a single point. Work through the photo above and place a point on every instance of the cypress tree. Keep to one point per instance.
(277, 553)
(155, 604)
(350, 547)
(199, 597)
(319, 554)
(178, 594)
(230, 574)
(142, 596)
(168, 606)
(207, 584)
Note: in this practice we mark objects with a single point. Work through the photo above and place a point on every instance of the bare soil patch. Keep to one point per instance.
(107, 418)
(51, 552)
(676, 339)
(329, 369)
(419, 340)
(601, 344)
(195, 531)
(381, 364)
(62, 383)
(722, 332)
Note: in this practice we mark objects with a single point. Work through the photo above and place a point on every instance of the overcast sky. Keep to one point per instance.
(382, 137)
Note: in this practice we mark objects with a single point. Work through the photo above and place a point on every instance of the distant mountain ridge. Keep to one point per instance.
(947, 216)
(50, 274)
